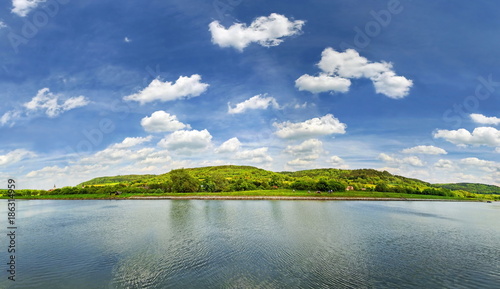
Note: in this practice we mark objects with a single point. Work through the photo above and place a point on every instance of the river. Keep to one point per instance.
(253, 244)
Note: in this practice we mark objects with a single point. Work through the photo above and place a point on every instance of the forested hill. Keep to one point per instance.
(472, 188)
(362, 178)
(242, 178)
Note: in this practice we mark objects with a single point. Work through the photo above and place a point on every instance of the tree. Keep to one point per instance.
(336, 186)
(183, 182)
(381, 187)
(322, 185)
(221, 183)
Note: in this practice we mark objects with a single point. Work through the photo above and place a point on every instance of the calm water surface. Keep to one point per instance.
(254, 244)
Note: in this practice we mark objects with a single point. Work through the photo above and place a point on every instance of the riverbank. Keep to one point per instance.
(279, 194)
(249, 196)
(281, 198)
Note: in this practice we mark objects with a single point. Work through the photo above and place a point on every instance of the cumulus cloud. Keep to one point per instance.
(324, 125)
(183, 88)
(156, 158)
(336, 161)
(306, 152)
(24, 7)
(311, 146)
(322, 83)
(266, 31)
(161, 121)
(338, 67)
(132, 141)
(481, 119)
(49, 103)
(300, 162)
(258, 155)
(255, 102)
(234, 147)
(15, 156)
(116, 154)
(425, 150)
(187, 141)
(230, 146)
(487, 136)
(2, 25)
(489, 166)
(444, 164)
(412, 160)
(46, 102)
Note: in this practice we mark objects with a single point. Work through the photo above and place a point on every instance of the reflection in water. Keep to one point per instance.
(256, 244)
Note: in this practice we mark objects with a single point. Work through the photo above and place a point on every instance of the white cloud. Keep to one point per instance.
(489, 166)
(157, 158)
(299, 162)
(255, 102)
(116, 154)
(128, 40)
(444, 164)
(426, 150)
(258, 155)
(2, 24)
(311, 146)
(47, 171)
(412, 160)
(325, 125)
(233, 146)
(481, 119)
(187, 141)
(46, 102)
(339, 67)
(230, 146)
(487, 136)
(161, 121)
(49, 103)
(497, 150)
(266, 31)
(322, 83)
(15, 156)
(132, 141)
(24, 7)
(300, 106)
(336, 161)
(306, 152)
(10, 117)
(391, 85)
(183, 88)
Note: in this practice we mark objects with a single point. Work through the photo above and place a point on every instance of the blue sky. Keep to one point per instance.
(96, 88)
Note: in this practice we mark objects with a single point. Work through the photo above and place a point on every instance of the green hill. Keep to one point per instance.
(236, 178)
(230, 179)
(472, 188)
